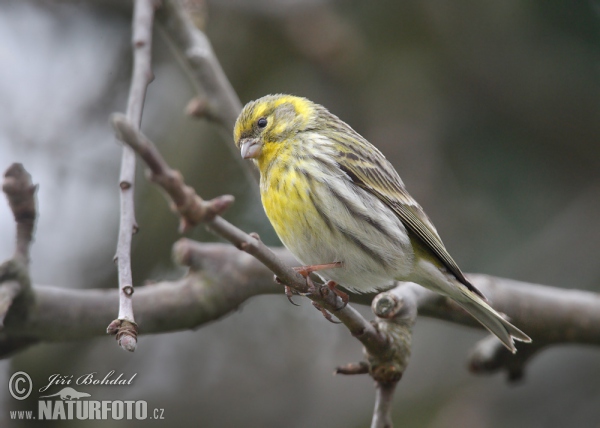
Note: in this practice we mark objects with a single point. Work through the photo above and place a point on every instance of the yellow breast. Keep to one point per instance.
(285, 197)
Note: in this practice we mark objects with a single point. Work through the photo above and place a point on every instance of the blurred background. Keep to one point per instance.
(490, 111)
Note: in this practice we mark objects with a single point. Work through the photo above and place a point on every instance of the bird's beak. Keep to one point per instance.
(250, 148)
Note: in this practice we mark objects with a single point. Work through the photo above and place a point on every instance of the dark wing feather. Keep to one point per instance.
(371, 171)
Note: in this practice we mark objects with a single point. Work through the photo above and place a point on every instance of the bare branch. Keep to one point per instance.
(15, 285)
(125, 327)
(382, 414)
(396, 313)
(216, 100)
(353, 369)
(488, 357)
(191, 208)
(20, 192)
(68, 314)
(223, 104)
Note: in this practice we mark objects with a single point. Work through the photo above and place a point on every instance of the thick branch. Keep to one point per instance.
(125, 327)
(221, 278)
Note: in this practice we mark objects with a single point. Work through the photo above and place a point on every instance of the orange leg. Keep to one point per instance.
(305, 271)
(345, 298)
(326, 314)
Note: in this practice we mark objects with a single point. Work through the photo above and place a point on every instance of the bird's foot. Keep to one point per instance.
(326, 314)
(331, 285)
(289, 292)
(305, 271)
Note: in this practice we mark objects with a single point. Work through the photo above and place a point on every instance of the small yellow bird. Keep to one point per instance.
(335, 200)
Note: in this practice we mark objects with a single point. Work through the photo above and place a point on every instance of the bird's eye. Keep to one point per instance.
(262, 122)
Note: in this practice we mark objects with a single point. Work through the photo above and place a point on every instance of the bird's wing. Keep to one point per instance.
(371, 171)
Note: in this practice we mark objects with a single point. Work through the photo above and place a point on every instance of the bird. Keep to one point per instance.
(339, 206)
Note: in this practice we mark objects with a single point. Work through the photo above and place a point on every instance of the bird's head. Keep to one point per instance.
(268, 124)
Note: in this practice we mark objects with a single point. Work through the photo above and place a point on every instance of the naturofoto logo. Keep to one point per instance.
(71, 404)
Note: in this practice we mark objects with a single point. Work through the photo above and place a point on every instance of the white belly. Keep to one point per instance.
(354, 228)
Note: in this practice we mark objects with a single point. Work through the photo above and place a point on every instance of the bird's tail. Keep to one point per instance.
(490, 319)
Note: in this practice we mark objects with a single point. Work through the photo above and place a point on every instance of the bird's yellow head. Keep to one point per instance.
(268, 124)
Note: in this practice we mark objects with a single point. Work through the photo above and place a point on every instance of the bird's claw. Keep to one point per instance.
(305, 271)
(326, 314)
(331, 285)
(289, 293)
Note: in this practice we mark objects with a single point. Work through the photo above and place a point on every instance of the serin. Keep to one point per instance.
(332, 197)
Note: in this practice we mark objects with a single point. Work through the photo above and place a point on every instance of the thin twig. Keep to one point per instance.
(125, 327)
(15, 284)
(384, 394)
(20, 192)
(191, 208)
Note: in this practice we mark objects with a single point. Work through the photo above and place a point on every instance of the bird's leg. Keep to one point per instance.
(305, 271)
(345, 298)
(326, 314)
(289, 291)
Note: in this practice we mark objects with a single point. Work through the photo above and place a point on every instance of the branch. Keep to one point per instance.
(221, 278)
(20, 193)
(217, 100)
(124, 328)
(15, 285)
(382, 414)
(396, 313)
(551, 315)
(221, 103)
(191, 208)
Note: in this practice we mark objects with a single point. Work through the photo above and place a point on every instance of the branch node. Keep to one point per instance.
(124, 185)
(386, 305)
(128, 290)
(353, 369)
(387, 373)
(244, 245)
(128, 342)
(125, 332)
(199, 107)
(113, 327)
(20, 192)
